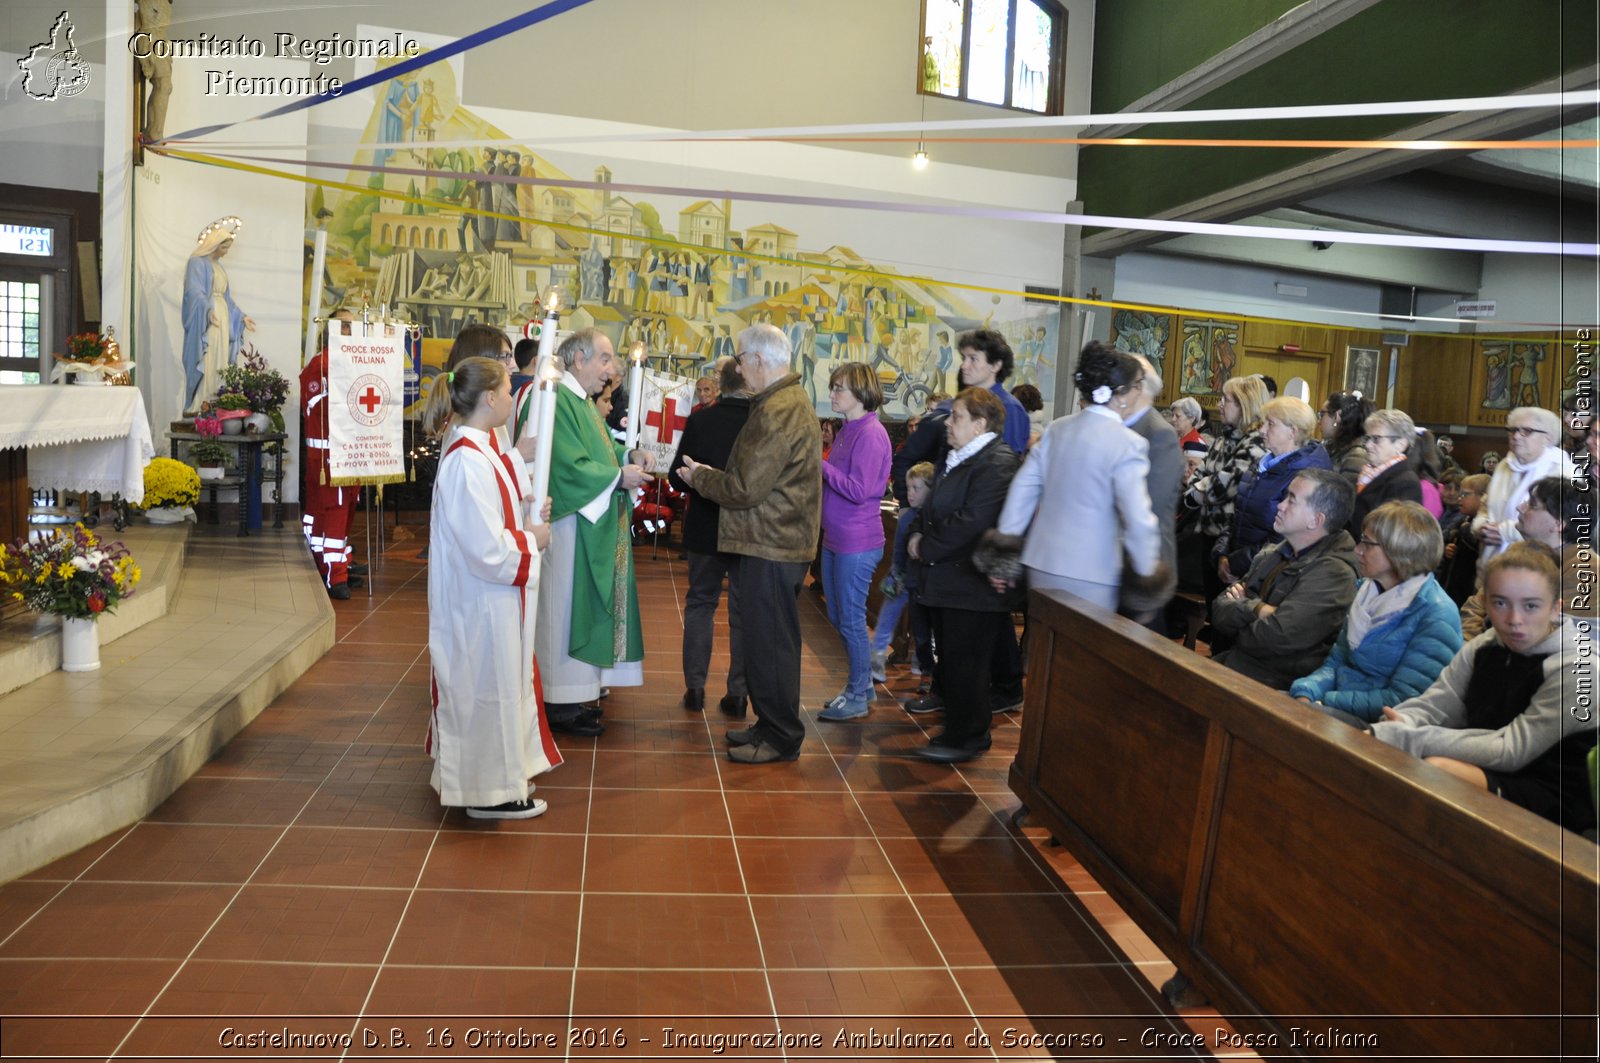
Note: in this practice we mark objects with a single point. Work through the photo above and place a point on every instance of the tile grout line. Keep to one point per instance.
(229, 905)
(583, 878)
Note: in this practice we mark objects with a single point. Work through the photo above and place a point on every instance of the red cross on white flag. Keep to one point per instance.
(665, 409)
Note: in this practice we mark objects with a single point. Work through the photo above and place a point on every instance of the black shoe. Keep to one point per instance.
(953, 753)
(1008, 702)
(355, 581)
(339, 592)
(747, 736)
(929, 703)
(526, 809)
(582, 726)
(356, 569)
(761, 751)
(734, 706)
(694, 699)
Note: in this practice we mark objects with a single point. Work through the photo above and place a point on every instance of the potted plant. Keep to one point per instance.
(171, 489)
(232, 409)
(209, 458)
(93, 359)
(264, 388)
(76, 577)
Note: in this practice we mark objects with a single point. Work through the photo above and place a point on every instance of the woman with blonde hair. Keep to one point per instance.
(1286, 427)
(1402, 628)
(487, 733)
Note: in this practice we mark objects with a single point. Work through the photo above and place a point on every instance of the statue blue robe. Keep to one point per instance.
(197, 280)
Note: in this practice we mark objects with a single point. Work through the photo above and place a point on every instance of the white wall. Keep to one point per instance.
(51, 143)
(173, 201)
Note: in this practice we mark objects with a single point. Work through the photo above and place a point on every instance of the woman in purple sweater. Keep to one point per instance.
(853, 481)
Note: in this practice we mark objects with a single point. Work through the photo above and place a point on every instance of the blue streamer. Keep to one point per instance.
(378, 77)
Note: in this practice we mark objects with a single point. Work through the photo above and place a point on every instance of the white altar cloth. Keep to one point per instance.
(79, 438)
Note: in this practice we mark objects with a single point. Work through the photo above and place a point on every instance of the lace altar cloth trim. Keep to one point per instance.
(79, 438)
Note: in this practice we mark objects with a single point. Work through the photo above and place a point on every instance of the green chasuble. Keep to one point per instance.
(605, 602)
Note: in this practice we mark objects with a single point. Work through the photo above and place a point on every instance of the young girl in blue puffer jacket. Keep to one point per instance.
(1402, 628)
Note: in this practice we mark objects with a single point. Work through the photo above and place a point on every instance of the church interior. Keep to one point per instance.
(219, 838)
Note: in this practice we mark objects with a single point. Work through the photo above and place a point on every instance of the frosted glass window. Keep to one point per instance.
(1002, 52)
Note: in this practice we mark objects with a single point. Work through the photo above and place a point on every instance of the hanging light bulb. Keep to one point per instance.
(920, 159)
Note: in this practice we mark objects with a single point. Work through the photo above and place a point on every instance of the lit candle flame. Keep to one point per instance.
(553, 301)
(637, 354)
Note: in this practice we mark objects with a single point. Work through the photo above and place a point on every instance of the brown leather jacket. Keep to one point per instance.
(771, 491)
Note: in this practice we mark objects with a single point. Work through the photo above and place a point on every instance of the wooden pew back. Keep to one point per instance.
(1309, 878)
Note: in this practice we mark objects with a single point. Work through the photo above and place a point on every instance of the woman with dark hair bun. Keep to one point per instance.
(1344, 430)
(1081, 498)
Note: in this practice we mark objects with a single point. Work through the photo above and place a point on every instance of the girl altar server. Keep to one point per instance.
(487, 733)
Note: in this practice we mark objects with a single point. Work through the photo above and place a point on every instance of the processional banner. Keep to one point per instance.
(665, 410)
(366, 407)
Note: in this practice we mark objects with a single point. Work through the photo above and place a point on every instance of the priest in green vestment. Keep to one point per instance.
(587, 633)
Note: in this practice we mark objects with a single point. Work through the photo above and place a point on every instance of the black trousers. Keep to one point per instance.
(706, 572)
(967, 639)
(769, 608)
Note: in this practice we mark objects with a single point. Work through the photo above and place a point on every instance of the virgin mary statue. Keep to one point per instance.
(213, 325)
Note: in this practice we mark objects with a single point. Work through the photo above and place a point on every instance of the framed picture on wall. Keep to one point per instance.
(1208, 351)
(1361, 365)
(1507, 374)
(1144, 333)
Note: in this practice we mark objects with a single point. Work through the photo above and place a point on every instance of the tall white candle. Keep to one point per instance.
(635, 395)
(545, 424)
(547, 334)
(319, 257)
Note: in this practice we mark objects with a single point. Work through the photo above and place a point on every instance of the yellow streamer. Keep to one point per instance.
(662, 241)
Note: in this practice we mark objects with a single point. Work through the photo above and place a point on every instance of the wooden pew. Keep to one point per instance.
(1305, 876)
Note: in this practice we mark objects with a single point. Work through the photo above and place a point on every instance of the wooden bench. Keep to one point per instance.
(1306, 877)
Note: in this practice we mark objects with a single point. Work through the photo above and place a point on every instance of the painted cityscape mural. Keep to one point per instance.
(683, 277)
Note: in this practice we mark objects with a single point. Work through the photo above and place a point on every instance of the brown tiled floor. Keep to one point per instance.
(307, 879)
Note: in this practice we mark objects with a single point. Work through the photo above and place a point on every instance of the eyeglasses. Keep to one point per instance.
(837, 388)
(1519, 431)
(1368, 543)
(738, 358)
(1374, 439)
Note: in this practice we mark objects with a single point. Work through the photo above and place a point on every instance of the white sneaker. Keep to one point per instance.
(527, 809)
(880, 666)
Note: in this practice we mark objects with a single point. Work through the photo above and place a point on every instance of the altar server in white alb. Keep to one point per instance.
(488, 735)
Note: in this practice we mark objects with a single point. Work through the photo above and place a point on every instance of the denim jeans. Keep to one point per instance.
(888, 618)
(845, 581)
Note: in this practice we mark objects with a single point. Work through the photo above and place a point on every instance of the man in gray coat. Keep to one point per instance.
(1286, 612)
(1138, 600)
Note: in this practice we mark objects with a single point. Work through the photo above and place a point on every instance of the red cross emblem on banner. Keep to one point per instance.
(666, 421)
(370, 400)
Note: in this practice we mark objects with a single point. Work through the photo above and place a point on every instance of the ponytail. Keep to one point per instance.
(456, 392)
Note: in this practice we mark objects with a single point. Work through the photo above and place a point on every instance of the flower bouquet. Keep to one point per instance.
(171, 489)
(94, 358)
(265, 390)
(71, 574)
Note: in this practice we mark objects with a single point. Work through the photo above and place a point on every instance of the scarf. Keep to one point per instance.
(1372, 472)
(956, 457)
(1375, 607)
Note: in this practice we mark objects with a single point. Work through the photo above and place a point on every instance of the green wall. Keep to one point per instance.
(1397, 50)
(1140, 45)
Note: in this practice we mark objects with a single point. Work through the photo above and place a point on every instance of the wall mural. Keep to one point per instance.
(683, 277)
(1508, 374)
(1207, 355)
(1144, 333)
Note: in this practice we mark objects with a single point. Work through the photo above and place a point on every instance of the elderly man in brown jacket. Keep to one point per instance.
(771, 510)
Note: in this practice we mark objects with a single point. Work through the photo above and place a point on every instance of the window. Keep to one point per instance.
(1002, 52)
(19, 332)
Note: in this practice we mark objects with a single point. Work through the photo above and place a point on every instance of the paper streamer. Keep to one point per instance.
(1260, 232)
(427, 58)
(861, 271)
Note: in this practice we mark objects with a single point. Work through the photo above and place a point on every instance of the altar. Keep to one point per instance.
(68, 438)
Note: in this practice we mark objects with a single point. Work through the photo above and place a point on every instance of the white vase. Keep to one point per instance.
(258, 422)
(233, 426)
(210, 472)
(80, 645)
(168, 514)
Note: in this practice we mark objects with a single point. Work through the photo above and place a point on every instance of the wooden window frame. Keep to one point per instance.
(1056, 93)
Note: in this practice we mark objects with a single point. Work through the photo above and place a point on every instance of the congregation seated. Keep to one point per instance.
(1498, 715)
(1282, 617)
(1402, 628)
